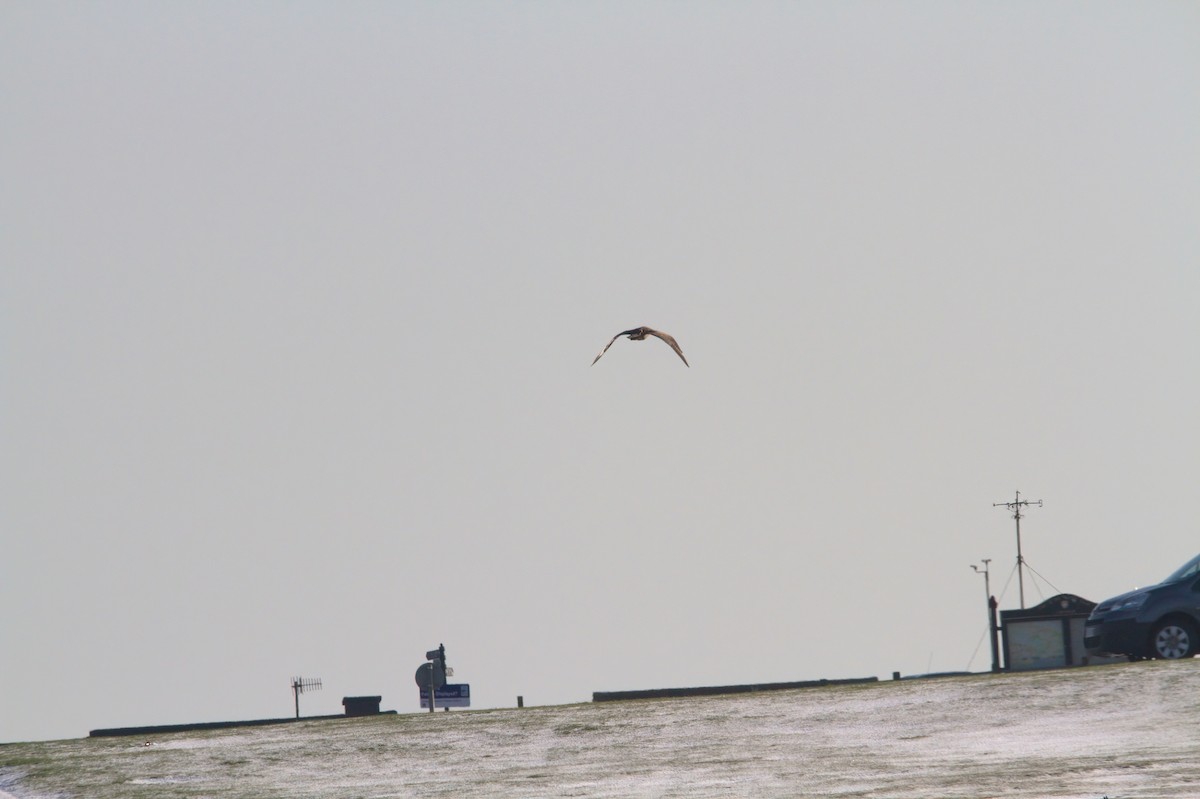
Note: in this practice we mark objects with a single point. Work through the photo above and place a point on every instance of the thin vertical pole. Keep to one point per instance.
(992, 605)
(1020, 559)
(993, 628)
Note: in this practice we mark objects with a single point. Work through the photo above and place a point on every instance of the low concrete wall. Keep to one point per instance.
(715, 690)
(210, 725)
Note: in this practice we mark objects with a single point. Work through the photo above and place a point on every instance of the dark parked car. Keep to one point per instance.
(1161, 621)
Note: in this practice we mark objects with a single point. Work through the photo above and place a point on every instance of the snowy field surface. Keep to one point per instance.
(1130, 730)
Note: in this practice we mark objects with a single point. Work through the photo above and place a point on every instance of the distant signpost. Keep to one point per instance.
(431, 679)
(432, 675)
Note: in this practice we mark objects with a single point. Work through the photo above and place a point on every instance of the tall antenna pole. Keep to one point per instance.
(1015, 506)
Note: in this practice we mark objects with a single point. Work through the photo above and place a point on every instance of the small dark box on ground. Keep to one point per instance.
(361, 705)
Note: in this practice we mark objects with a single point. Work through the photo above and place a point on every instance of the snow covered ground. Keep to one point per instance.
(1126, 730)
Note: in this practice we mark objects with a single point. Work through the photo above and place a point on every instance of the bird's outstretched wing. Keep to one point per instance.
(606, 346)
(667, 337)
(638, 334)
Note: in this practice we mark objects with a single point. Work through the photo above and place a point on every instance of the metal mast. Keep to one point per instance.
(1015, 506)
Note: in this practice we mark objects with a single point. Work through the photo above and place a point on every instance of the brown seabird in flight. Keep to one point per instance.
(639, 333)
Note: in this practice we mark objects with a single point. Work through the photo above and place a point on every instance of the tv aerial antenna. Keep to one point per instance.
(1015, 506)
(302, 684)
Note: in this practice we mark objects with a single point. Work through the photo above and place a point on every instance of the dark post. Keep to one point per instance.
(992, 605)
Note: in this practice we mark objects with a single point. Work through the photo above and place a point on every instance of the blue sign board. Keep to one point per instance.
(457, 695)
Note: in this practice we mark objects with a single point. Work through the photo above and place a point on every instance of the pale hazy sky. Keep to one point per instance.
(298, 302)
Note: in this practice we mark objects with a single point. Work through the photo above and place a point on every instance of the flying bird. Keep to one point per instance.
(638, 334)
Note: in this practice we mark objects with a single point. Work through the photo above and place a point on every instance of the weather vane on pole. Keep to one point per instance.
(1015, 506)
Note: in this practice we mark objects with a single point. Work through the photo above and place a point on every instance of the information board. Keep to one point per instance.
(456, 695)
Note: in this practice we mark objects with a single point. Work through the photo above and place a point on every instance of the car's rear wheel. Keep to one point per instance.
(1173, 639)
